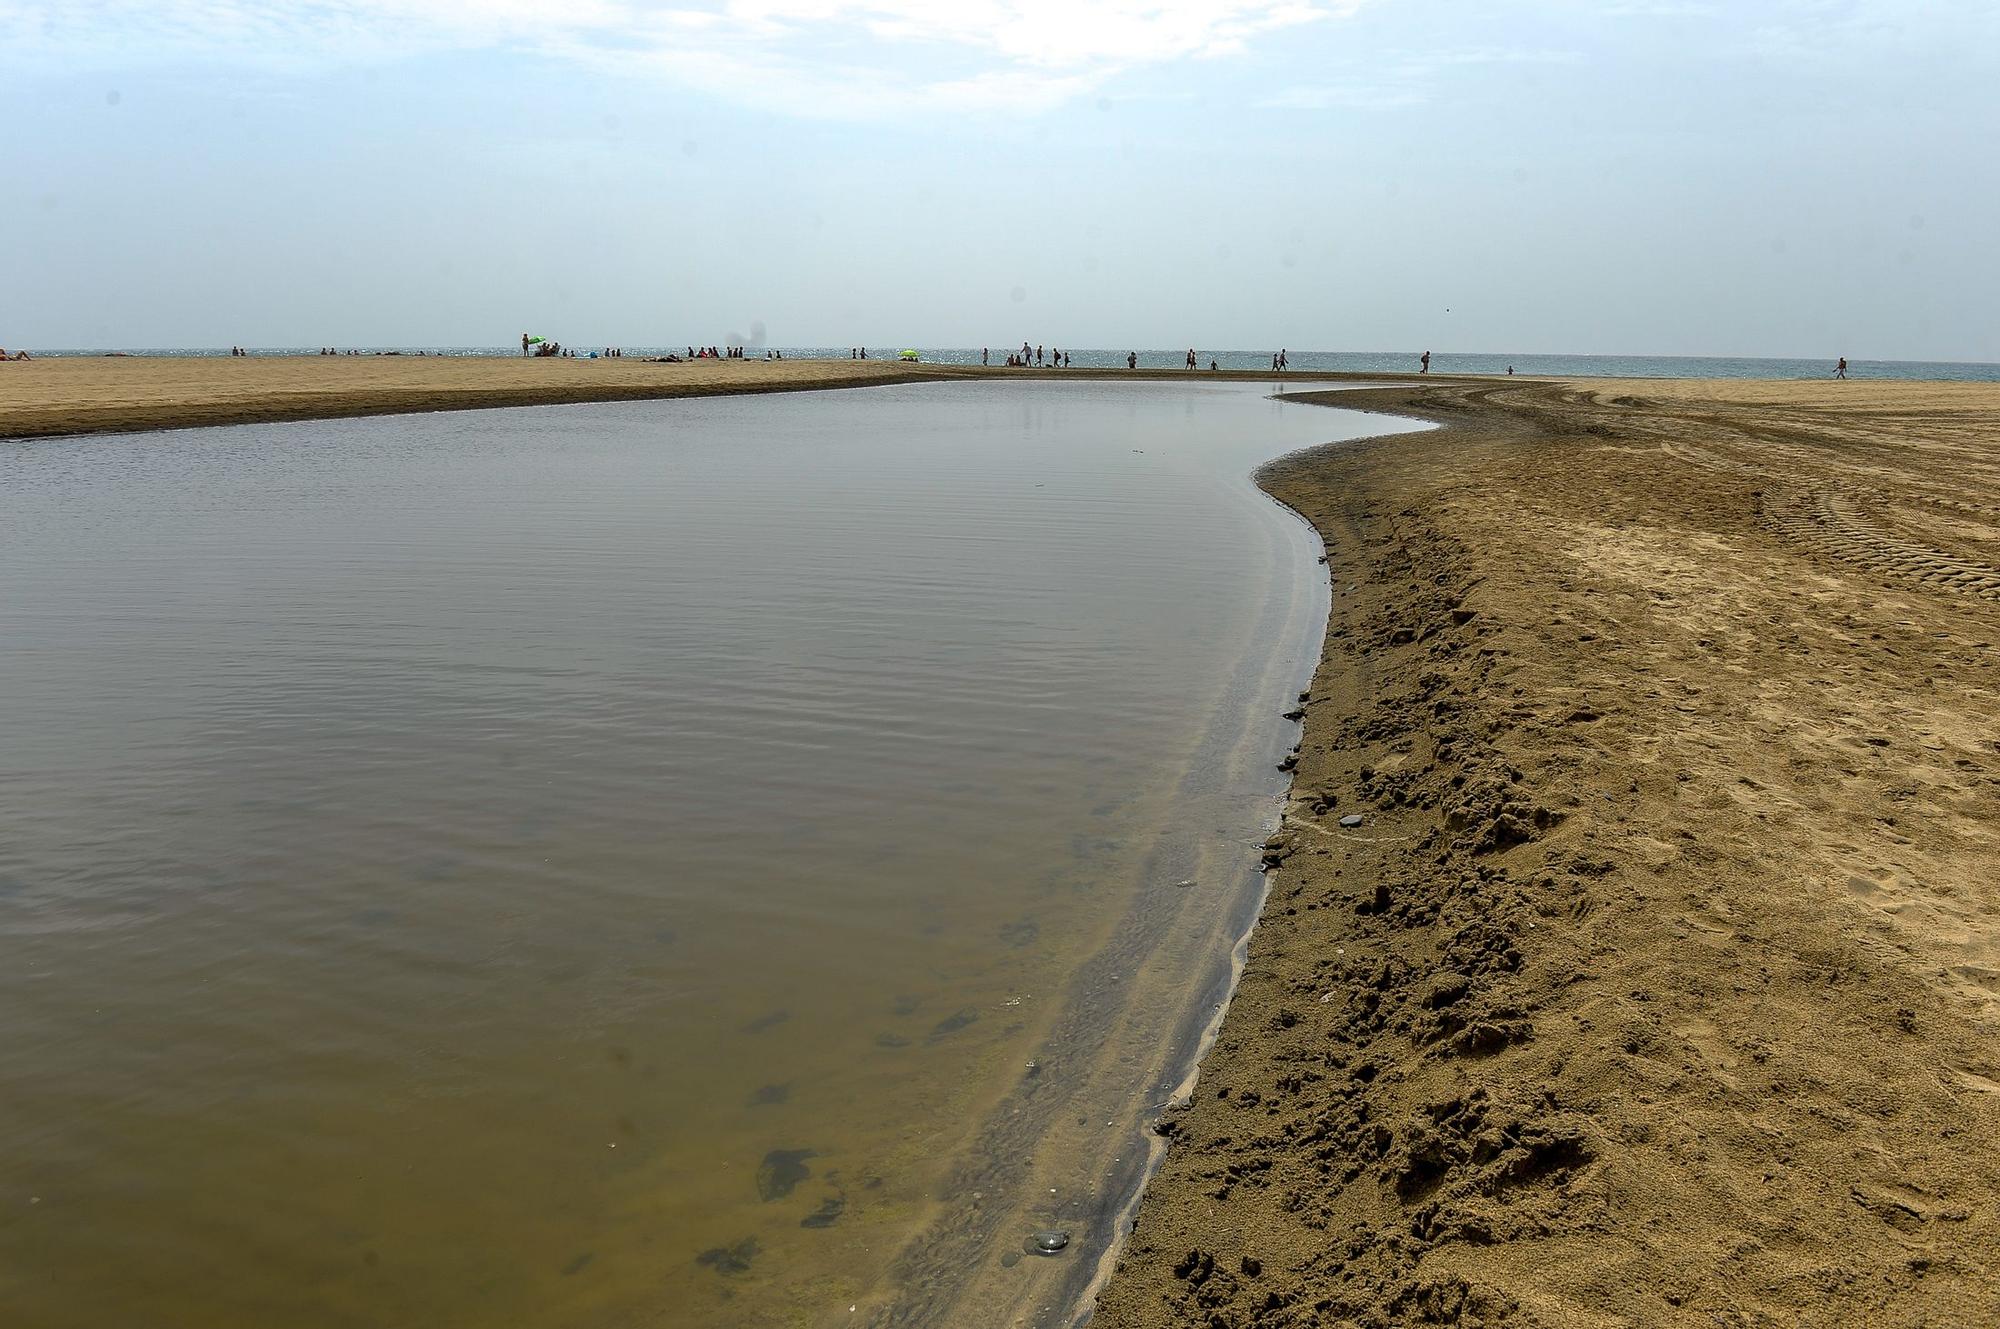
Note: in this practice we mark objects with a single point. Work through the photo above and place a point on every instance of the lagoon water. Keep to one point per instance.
(677, 863)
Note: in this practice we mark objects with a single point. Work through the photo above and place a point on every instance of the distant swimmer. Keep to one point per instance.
(1131, 359)
(1425, 361)
(1840, 370)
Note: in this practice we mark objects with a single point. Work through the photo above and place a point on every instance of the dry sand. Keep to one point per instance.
(102, 394)
(1660, 982)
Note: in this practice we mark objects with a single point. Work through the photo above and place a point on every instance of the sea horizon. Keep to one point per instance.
(1522, 363)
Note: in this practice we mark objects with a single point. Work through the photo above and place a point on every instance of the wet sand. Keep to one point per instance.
(1659, 982)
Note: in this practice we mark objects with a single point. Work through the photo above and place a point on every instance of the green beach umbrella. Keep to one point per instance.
(533, 340)
(907, 355)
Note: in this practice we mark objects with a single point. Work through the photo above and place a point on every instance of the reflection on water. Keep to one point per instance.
(609, 865)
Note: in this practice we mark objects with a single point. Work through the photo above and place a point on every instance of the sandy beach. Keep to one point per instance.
(116, 394)
(110, 394)
(1658, 982)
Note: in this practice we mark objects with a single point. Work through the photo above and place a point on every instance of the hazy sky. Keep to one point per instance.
(1749, 177)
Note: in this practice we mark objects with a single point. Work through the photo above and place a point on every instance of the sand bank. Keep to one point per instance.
(1659, 983)
(116, 394)
(106, 394)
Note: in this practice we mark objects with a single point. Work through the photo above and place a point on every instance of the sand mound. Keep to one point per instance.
(1659, 983)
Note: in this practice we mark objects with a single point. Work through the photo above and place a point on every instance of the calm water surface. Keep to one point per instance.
(616, 865)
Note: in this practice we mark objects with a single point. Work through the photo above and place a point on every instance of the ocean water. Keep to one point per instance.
(708, 862)
(1346, 362)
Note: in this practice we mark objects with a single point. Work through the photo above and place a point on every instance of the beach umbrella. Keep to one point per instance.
(907, 355)
(533, 340)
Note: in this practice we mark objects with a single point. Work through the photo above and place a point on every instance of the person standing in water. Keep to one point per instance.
(1425, 361)
(1840, 370)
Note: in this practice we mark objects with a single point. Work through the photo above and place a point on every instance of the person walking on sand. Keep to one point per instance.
(985, 356)
(1425, 361)
(1840, 370)
(1131, 359)
(1190, 359)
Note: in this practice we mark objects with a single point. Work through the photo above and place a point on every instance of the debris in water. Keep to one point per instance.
(730, 1259)
(828, 1212)
(781, 1172)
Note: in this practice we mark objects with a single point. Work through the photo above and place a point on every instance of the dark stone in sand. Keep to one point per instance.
(1010, 1259)
(1351, 820)
(827, 1214)
(770, 1094)
(891, 1041)
(951, 1024)
(763, 1022)
(1252, 1265)
(1049, 1243)
(730, 1259)
(781, 1172)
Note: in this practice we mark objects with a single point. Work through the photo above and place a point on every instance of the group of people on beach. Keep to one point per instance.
(1035, 357)
(1028, 357)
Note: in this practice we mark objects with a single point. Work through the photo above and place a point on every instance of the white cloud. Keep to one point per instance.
(824, 57)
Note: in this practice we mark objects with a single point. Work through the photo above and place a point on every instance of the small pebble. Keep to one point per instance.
(1048, 1243)
(1351, 820)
